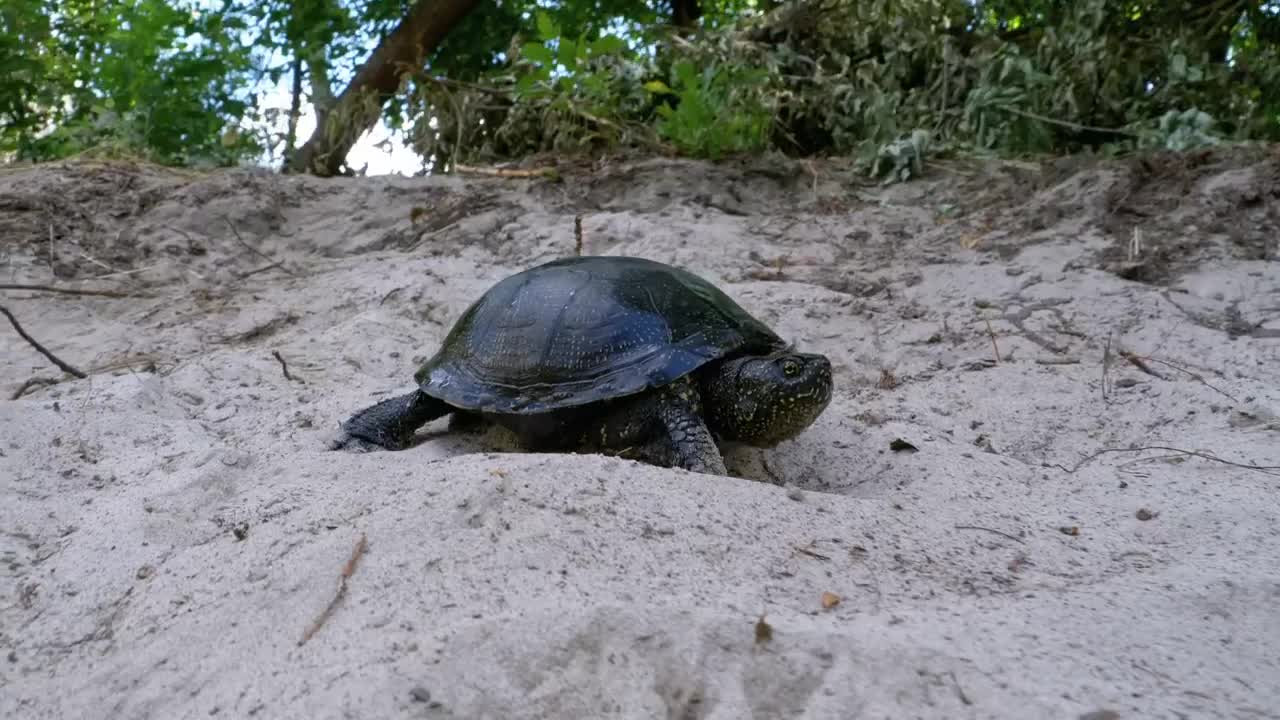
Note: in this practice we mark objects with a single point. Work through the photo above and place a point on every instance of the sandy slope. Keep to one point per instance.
(170, 527)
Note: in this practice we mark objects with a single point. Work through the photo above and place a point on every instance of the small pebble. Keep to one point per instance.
(420, 694)
(794, 492)
(1144, 514)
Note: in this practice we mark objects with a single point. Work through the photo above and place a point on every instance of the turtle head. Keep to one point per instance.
(762, 400)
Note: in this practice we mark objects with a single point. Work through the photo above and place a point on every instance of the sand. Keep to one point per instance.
(960, 535)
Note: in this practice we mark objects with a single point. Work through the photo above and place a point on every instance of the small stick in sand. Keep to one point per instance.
(284, 367)
(1192, 453)
(71, 291)
(32, 383)
(811, 553)
(52, 358)
(1138, 363)
(548, 172)
(1194, 376)
(347, 571)
(1001, 533)
(577, 234)
(256, 251)
(994, 346)
(1106, 365)
(264, 268)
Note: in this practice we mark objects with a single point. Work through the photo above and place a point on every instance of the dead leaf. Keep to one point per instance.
(764, 631)
(830, 600)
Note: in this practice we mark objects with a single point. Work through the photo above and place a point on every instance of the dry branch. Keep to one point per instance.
(1001, 533)
(274, 262)
(32, 383)
(72, 291)
(1138, 363)
(347, 571)
(1193, 453)
(547, 172)
(994, 346)
(43, 351)
(284, 366)
(409, 44)
(1194, 376)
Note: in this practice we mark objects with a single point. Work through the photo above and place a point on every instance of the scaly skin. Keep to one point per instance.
(390, 424)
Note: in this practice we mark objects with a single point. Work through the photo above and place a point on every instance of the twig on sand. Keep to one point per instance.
(264, 268)
(284, 367)
(811, 553)
(72, 291)
(347, 571)
(32, 383)
(577, 235)
(1137, 362)
(52, 358)
(547, 172)
(964, 698)
(1194, 376)
(1106, 365)
(1193, 453)
(1001, 533)
(994, 346)
(36, 382)
(274, 262)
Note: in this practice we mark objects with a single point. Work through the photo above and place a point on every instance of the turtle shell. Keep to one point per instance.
(584, 329)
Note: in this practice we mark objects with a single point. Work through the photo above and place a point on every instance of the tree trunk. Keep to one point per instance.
(685, 13)
(295, 107)
(359, 106)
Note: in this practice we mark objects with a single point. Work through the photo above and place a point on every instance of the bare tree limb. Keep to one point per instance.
(359, 106)
(71, 291)
(52, 358)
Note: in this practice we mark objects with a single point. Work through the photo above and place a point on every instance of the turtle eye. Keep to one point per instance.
(790, 368)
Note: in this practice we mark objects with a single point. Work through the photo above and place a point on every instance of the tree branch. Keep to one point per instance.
(359, 106)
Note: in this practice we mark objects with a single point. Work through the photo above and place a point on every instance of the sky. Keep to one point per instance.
(396, 158)
(393, 157)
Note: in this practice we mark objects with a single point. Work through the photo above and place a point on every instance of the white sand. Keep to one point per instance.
(169, 532)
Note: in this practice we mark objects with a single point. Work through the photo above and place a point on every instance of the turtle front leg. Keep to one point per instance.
(390, 424)
(685, 440)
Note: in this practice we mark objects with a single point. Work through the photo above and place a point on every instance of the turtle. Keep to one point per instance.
(612, 354)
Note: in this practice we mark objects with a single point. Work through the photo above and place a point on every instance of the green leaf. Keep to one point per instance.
(657, 87)
(568, 55)
(547, 27)
(538, 53)
(608, 45)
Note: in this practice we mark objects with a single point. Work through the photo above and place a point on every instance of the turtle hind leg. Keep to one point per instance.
(390, 424)
(683, 437)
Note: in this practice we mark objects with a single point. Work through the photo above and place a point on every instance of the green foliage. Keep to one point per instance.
(715, 112)
(887, 81)
(123, 75)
